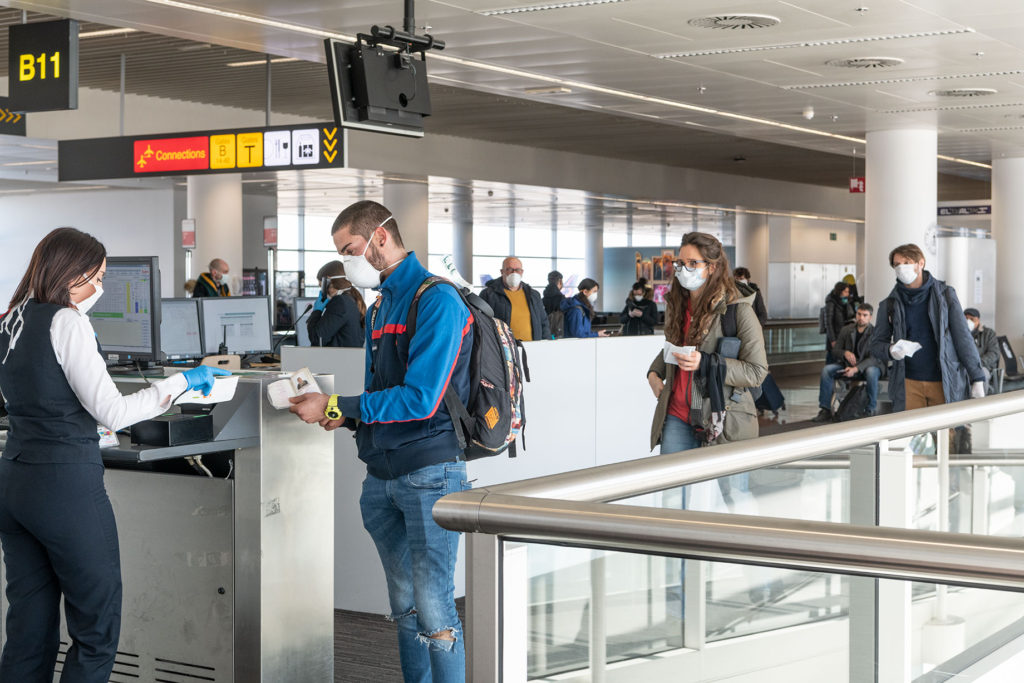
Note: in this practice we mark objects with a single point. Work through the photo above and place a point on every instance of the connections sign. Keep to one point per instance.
(42, 65)
(224, 151)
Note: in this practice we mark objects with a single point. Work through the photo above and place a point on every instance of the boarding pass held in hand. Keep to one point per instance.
(297, 383)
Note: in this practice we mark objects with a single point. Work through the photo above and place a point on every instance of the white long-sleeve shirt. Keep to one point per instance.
(74, 343)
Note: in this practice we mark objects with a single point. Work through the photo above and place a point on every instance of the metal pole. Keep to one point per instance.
(188, 265)
(942, 453)
(483, 608)
(268, 91)
(123, 69)
(409, 24)
(598, 635)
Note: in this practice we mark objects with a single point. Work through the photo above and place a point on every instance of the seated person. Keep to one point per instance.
(985, 340)
(853, 352)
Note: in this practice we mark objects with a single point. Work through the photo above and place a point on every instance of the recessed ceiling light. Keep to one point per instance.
(735, 21)
(905, 79)
(29, 163)
(259, 62)
(107, 32)
(964, 92)
(545, 7)
(865, 62)
(548, 90)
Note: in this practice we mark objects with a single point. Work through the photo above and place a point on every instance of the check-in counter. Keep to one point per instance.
(588, 404)
(227, 578)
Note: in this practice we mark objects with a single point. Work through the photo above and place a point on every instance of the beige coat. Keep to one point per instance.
(749, 370)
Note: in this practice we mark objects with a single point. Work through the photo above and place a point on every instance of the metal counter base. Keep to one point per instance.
(228, 580)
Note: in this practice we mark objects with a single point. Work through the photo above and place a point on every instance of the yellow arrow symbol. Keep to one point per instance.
(330, 145)
(10, 115)
(330, 157)
(330, 133)
(3, 114)
(17, 117)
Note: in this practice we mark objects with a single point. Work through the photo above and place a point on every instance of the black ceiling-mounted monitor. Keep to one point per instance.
(377, 89)
(126, 318)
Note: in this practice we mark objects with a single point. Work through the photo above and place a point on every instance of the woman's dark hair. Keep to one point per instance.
(837, 291)
(65, 258)
(587, 283)
(718, 286)
(642, 285)
(334, 269)
(741, 272)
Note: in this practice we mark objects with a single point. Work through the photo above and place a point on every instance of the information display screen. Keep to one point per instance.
(242, 322)
(301, 331)
(180, 333)
(126, 318)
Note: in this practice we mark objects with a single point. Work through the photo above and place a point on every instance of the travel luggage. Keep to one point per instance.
(771, 398)
(853, 405)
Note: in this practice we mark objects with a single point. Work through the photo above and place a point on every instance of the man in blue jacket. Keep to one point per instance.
(925, 310)
(405, 435)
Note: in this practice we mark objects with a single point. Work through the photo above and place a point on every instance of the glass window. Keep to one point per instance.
(490, 239)
(288, 231)
(572, 270)
(533, 240)
(288, 259)
(486, 265)
(318, 233)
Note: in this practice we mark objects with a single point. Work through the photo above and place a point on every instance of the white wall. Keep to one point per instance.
(128, 222)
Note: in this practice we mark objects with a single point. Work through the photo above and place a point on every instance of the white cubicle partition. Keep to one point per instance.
(577, 385)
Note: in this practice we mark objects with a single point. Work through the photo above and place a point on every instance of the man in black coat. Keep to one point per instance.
(854, 361)
(212, 283)
(517, 303)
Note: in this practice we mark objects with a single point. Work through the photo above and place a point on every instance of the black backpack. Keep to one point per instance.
(496, 414)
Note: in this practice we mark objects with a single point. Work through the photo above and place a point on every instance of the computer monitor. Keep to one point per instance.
(243, 322)
(181, 336)
(126, 318)
(301, 331)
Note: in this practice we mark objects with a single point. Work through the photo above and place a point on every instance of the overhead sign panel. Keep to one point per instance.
(222, 151)
(42, 65)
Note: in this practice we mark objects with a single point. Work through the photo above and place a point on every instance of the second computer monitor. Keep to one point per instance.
(180, 333)
(242, 322)
(301, 330)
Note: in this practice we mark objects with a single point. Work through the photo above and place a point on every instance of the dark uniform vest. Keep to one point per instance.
(48, 423)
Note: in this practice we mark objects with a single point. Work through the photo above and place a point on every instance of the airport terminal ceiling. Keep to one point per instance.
(696, 84)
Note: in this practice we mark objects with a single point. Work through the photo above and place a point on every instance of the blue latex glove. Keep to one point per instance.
(202, 377)
(321, 302)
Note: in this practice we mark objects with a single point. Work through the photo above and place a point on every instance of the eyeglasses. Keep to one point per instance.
(688, 264)
(512, 270)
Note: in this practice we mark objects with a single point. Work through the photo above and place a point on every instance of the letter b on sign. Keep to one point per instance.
(26, 67)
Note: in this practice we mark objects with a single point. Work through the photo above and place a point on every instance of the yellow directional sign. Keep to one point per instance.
(330, 142)
(250, 149)
(222, 151)
(11, 122)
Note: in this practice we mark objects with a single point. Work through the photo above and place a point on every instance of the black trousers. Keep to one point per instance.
(59, 537)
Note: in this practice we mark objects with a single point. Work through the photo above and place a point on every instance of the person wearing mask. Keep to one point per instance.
(57, 525)
(925, 310)
(579, 311)
(212, 283)
(516, 302)
(688, 416)
(985, 339)
(553, 296)
(339, 311)
(839, 312)
(405, 435)
(856, 362)
(641, 313)
(747, 288)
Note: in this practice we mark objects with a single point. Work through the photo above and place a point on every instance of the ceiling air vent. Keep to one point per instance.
(964, 92)
(735, 21)
(865, 62)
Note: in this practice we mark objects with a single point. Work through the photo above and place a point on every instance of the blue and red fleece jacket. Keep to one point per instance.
(404, 422)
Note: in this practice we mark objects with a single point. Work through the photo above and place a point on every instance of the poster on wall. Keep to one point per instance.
(657, 270)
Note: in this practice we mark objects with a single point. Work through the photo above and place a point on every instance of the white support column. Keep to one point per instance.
(462, 230)
(593, 222)
(1008, 232)
(407, 198)
(215, 201)
(900, 202)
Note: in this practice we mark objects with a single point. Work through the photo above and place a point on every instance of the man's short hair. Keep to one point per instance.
(973, 312)
(741, 272)
(909, 251)
(363, 218)
(866, 307)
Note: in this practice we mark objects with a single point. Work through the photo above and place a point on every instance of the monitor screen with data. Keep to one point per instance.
(126, 318)
(242, 322)
(180, 332)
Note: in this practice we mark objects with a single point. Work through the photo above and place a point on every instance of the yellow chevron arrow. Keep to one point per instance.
(10, 115)
(330, 133)
(3, 113)
(330, 145)
(330, 157)
(17, 117)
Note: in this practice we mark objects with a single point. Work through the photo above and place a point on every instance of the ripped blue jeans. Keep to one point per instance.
(419, 561)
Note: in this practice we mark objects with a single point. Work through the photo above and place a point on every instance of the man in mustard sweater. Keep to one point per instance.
(517, 303)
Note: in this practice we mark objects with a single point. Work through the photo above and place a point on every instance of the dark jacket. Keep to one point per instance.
(404, 424)
(760, 310)
(747, 370)
(988, 347)
(553, 299)
(862, 350)
(207, 286)
(494, 294)
(957, 354)
(340, 324)
(632, 327)
(837, 315)
(577, 318)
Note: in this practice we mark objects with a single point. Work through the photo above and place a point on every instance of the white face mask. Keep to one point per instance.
(592, 297)
(85, 304)
(513, 280)
(906, 272)
(359, 271)
(971, 325)
(691, 280)
(742, 279)
(638, 298)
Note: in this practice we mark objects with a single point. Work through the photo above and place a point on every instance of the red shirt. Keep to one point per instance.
(679, 401)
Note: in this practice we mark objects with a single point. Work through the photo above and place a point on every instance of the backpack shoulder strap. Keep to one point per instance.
(729, 326)
(410, 319)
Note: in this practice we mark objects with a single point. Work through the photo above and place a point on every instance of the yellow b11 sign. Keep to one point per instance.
(42, 63)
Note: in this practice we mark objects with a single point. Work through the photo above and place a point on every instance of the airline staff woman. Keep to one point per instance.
(56, 523)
